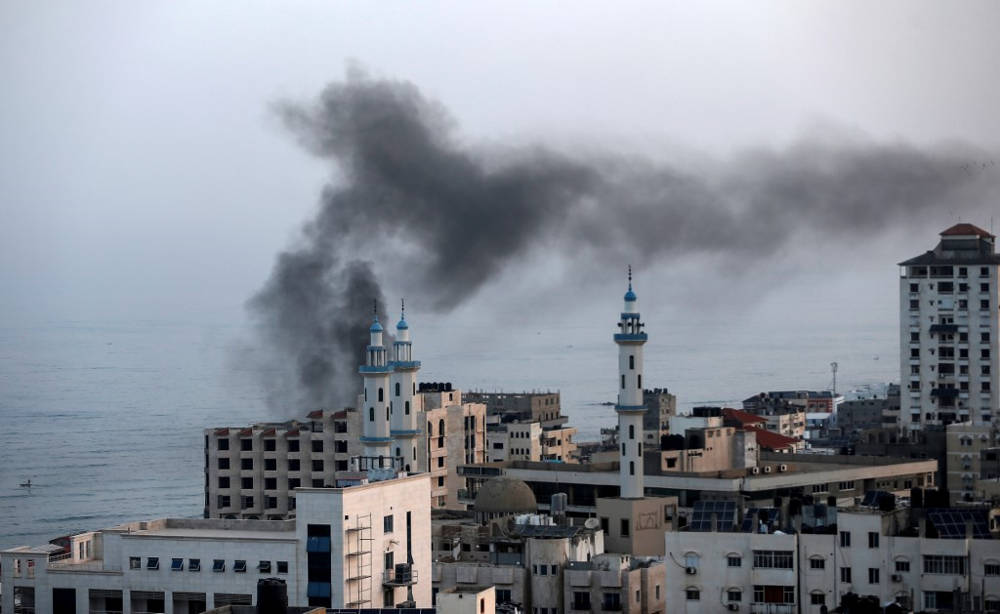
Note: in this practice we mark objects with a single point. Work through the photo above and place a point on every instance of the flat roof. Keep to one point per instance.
(212, 533)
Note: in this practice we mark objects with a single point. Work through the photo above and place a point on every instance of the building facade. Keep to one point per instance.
(342, 550)
(948, 306)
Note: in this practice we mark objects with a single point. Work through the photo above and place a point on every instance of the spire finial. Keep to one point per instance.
(630, 277)
(402, 308)
(375, 308)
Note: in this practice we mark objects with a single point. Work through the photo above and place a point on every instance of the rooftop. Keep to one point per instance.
(965, 229)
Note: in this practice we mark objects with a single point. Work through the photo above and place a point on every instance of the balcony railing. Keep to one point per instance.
(772, 608)
(399, 577)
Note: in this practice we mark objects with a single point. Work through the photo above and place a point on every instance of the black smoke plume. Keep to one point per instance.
(406, 185)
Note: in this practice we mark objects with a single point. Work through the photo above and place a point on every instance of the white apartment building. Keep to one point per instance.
(366, 545)
(866, 552)
(948, 306)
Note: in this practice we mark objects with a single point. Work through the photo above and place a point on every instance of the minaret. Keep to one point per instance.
(630, 408)
(375, 432)
(402, 396)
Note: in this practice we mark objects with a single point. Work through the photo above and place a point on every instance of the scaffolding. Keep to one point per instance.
(358, 542)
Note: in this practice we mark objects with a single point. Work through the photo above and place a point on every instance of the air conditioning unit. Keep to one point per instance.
(897, 577)
(767, 468)
(691, 571)
(782, 468)
(733, 607)
(755, 470)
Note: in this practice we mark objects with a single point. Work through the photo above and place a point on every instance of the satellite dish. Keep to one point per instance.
(591, 523)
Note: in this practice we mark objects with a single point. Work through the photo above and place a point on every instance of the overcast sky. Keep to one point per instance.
(144, 173)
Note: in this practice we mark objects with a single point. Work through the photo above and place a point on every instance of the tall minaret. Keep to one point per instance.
(402, 396)
(375, 432)
(630, 408)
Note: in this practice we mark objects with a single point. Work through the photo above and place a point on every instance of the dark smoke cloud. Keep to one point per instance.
(407, 185)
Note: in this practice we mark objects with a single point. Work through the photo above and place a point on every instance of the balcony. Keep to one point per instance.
(401, 575)
(772, 608)
(945, 393)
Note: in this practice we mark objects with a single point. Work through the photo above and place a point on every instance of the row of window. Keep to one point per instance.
(984, 305)
(247, 502)
(761, 594)
(947, 287)
(294, 464)
(271, 445)
(962, 337)
(218, 565)
(963, 353)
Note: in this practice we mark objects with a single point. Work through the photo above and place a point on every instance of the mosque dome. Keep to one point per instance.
(402, 325)
(376, 327)
(505, 496)
(630, 296)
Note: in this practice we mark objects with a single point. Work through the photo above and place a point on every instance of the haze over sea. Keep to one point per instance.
(106, 418)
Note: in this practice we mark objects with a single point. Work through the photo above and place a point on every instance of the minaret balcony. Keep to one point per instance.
(631, 337)
(405, 364)
(374, 369)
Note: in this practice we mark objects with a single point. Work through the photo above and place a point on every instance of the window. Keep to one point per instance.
(246, 463)
(734, 560)
(246, 502)
(223, 482)
(611, 601)
(282, 566)
(440, 461)
(772, 559)
(270, 464)
(991, 569)
(134, 562)
(153, 562)
(397, 389)
(223, 501)
(293, 445)
(845, 575)
(270, 483)
(503, 596)
(317, 465)
(317, 445)
(176, 564)
(939, 564)
(387, 523)
(992, 605)
(440, 481)
(873, 575)
(246, 445)
(581, 600)
(223, 463)
(389, 560)
(222, 444)
(340, 446)
(873, 539)
(692, 594)
(817, 563)
(371, 414)
(734, 595)
(218, 565)
(845, 539)
(624, 527)
(264, 567)
(631, 467)
(631, 362)
(817, 599)
(194, 564)
(623, 381)
(902, 566)
(848, 485)
(691, 559)
(406, 406)
(239, 566)
(269, 445)
(246, 483)
(293, 464)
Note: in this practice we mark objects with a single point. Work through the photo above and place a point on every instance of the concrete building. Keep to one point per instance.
(541, 407)
(948, 306)
(922, 559)
(539, 563)
(342, 550)
(966, 445)
(530, 441)
(661, 406)
(861, 414)
(253, 472)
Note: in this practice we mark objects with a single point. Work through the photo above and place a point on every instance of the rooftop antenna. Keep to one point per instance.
(833, 368)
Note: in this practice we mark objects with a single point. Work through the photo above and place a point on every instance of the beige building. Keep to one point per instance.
(467, 600)
(253, 472)
(965, 444)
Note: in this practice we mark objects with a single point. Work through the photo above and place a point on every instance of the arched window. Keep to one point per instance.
(414, 387)
(414, 457)
(631, 362)
(631, 431)
(441, 427)
(430, 428)
(366, 393)
(397, 452)
(397, 389)
(407, 407)
(371, 414)
(631, 467)
(380, 395)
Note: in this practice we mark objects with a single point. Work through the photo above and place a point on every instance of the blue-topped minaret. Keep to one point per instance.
(375, 437)
(403, 396)
(630, 339)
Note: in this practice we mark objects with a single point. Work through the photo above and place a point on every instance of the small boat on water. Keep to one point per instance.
(25, 484)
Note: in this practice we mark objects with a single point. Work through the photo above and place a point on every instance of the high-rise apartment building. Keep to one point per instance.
(948, 301)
